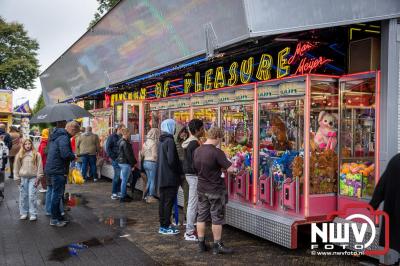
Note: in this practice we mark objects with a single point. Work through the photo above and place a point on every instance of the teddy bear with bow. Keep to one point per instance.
(325, 138)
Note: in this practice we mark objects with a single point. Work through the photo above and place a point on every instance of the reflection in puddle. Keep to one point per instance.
(121, 222)
(65, 252)
(73, 200)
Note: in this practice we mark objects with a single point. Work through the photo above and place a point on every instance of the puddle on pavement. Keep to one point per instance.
(67, 251)
(74, 200)
(120, 222)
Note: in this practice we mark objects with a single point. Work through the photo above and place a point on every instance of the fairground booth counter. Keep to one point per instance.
(308, 106)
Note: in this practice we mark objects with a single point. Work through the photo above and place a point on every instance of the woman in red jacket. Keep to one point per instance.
(42, 150)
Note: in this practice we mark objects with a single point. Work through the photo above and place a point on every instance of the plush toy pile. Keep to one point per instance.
(355, 179)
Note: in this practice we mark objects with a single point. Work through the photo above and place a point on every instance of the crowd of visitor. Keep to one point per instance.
(171, 157)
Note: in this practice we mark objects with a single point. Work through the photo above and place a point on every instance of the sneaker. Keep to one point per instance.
(95, 180)
(62, 214)
(219, 248)
(114, 197)
(151, 199)
(168, 231)
(203, 246)
(23, 217)
(58, 223)
(33, 218)
(42, 190)
(191, 236)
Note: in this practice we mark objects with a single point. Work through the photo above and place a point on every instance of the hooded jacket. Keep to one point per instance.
(16, 143)
(27, 167)
(59, 153)
(169, 168)
(189, 146)
(149, 151)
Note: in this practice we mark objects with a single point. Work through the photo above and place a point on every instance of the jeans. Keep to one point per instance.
(49, 194)
(2, 176)
(28, 196)
(116, 182)
(192, 203)
(125, 173)
(167, 198)
(58, 184)
(91, 160)
(150, 168)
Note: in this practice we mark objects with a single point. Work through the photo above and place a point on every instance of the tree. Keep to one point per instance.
(104, 6)
(19, 66)
(40, 104)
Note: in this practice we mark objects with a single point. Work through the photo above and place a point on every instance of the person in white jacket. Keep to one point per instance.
(28, 170)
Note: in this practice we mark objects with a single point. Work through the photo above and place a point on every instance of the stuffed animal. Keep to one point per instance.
(326, 134)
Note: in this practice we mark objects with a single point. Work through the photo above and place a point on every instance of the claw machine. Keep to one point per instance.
(155, 112)
(205, 107)
(181, 114)
(130, 113)
(236, 115)
(359, 137)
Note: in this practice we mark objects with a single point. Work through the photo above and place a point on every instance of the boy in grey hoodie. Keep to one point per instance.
(196, 129)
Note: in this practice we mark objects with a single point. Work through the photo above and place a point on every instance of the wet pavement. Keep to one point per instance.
(105, 232)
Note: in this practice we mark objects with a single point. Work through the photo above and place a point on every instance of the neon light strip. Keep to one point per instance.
(373, 31)
(377, 126)
(177, 86)
(307, 107)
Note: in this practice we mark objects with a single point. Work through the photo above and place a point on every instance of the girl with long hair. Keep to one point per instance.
(28, 171)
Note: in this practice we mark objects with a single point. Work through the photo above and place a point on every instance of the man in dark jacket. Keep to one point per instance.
(169, 171)
(196, 129)
(112, 152)
(58, 158)
(387, 190)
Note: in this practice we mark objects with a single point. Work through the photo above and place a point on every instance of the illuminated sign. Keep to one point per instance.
(261, 67)
(292, 88)
(267, 91)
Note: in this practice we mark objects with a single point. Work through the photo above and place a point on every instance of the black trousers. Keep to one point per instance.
(167, 197)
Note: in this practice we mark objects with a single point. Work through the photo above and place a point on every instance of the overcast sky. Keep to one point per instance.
(55, 24)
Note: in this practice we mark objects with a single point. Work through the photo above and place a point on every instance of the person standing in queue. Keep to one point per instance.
(87, 147)
(59, 157)
(387, 191)
(112, 150)
(212, 197)
(148, 155)
(16, 139)
(126, 161)
(196, 129)
(169, 170)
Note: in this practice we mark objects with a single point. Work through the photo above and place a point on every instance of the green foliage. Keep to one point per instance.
(40, 104)
(19, 66)
(104, 6)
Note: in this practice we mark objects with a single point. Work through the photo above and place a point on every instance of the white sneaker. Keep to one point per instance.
(33, 218)
(23, 217)
(191, 237)
(42, 190)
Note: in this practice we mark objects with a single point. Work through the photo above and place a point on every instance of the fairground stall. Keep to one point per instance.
(308, 103)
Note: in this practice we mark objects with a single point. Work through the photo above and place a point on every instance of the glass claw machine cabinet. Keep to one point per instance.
(155, 113)
(358, 137)
(180, 112)
(205, 108)
(236, 116)
(130, 113)
(297, 154)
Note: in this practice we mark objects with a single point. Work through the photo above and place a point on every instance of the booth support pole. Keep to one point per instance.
(255, 145)
(307, 147)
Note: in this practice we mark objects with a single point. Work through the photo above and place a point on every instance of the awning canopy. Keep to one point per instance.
(140, 36)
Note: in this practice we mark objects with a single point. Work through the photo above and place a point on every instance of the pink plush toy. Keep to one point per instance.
(326, 134)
